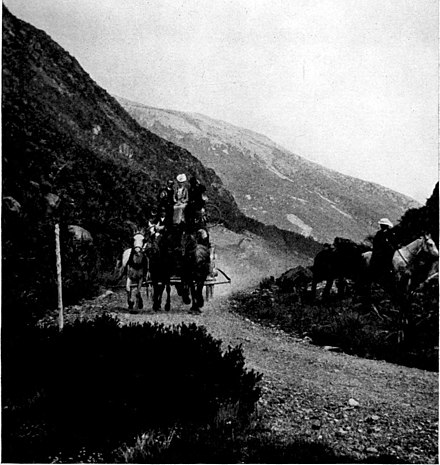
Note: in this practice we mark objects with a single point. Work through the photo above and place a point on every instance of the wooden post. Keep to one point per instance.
(59, 277)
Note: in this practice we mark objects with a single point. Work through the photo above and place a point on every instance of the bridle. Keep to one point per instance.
(138, 249)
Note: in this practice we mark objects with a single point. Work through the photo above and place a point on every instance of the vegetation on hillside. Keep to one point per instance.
(421, 220)
(63, 135)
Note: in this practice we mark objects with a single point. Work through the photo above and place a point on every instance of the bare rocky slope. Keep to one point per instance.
(272, 184)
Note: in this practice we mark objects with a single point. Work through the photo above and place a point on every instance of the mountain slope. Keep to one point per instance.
(65, 136)
(50, 102)
(272, 184)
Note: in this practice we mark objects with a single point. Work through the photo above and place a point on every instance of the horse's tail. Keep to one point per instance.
(118, 270)
(121, 265)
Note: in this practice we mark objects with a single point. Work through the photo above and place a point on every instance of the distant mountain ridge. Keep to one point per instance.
(272, 184)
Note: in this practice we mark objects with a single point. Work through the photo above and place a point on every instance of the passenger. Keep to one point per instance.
(157, 223)
(166, 201)
(151, 223)
(180, 200)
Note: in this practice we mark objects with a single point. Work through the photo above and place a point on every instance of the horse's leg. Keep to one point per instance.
(313, 291)
(130, 302)
(195, 303)
(403, 320)
(340, 283)
(184, 292)
(403, 300)
(168, 302)
(328, 286)
(157, 295)
(201, 302)
(178, 289)
(140, 303)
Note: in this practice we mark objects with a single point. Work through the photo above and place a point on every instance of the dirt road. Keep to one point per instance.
(364, 408)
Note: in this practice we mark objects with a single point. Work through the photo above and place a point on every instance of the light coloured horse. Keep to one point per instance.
(408, 264)
(406, 260)
(135, 263)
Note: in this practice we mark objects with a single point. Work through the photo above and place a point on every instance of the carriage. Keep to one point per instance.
(158, 264)
(214, 280)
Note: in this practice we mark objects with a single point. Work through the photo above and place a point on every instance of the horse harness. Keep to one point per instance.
(414, 254)
(134, 264)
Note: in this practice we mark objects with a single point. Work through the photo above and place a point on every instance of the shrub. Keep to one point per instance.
(214, 445)
(353, 327)
(97, 384)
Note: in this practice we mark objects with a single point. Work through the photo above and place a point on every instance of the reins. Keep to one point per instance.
(409, 251)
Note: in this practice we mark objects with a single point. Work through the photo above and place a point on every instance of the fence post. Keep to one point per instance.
(59, 277)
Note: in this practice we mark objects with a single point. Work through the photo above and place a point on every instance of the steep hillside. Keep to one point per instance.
(51, 105)
(272, 184)
(65, 136)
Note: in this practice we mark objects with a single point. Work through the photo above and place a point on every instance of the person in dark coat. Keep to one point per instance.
(384, 247)
(196, 203)
(166, 201)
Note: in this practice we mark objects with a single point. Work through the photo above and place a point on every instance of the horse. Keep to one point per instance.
(135, 263)
(409, 263)
(196, 267)
(341, 260)
(165, 260)
(412, 265)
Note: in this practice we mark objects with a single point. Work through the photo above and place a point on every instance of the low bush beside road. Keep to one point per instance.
(349, 326)
(81, 394)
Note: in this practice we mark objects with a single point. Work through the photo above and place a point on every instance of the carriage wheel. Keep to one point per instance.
(209, 291)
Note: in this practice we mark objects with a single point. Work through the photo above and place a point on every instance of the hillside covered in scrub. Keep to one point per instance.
(65, 136)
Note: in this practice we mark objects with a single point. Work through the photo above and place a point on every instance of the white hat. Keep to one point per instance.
(386, 222)
(181, 177)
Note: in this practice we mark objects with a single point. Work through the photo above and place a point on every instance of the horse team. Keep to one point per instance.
(159, 260)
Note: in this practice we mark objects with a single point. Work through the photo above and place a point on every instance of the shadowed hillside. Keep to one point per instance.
(65, 136)
(272, 184)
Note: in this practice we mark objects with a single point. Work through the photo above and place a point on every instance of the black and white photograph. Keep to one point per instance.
(220, 231)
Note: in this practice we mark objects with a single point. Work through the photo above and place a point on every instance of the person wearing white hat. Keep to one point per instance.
(180, 199)
(384, 246)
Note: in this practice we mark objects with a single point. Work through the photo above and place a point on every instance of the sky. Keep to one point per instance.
(350, 84)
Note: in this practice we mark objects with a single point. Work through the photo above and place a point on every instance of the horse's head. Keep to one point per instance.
(138, 241)
(429, 246)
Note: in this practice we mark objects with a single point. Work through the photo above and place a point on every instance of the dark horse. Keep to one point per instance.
(189, 262)
(165, 262)
(337, 262)
(196, 267)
